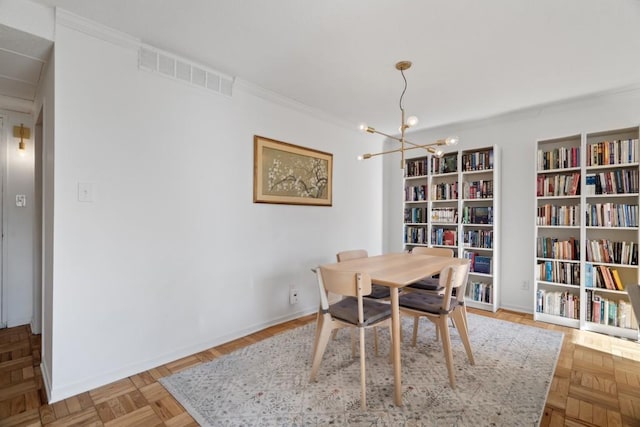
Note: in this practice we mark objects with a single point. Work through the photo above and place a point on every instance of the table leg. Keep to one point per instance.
(395, 322)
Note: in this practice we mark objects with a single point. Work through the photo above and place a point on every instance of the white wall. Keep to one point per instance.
(17, 222)
(172, 256)
(516, 135)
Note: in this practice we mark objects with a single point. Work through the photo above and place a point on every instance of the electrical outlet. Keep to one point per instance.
(293, 296)
(525, 285)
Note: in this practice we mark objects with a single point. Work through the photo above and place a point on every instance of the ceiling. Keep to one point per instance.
(471, 59)
(22, 60)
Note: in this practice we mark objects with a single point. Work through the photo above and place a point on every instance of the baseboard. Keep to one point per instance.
(63, 392)
(517, 308)
(46, 380)
(18, 322)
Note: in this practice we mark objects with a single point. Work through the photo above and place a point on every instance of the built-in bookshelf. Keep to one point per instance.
(458, 212)
(586, 231)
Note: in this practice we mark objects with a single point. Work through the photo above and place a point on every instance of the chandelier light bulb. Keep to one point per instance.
(412, 121)
(362, 127)
(452, 140)
(360, 157)
(438, 153)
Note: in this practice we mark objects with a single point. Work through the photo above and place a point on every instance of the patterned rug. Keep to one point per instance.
(266, 384)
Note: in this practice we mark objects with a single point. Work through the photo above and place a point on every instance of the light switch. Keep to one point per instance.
(85, 192)
(21, 200)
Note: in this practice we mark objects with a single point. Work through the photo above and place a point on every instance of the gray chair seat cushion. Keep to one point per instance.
(428, 284)
(347, 310)
(379, 292)
(425, 302)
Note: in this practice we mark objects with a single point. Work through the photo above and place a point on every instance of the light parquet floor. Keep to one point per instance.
(596, 383)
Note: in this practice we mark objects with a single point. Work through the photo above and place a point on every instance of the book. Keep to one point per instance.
(482, 264)
(590, 184)
(616, 280)
(481, 215)
(449, 238)
(588, 270)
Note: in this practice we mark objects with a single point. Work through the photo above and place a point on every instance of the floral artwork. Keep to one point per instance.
(290, 174)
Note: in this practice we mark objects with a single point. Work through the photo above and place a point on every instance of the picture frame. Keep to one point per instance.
(290, 174)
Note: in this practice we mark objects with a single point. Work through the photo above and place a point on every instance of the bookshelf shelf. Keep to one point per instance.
(559, 320)
(607, 291)
(556, 284)
(582, 180)
(461, 186)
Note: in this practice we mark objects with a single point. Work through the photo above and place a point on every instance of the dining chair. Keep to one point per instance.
(353, 311)
(438, 308)
(377, 291)
(429, 284)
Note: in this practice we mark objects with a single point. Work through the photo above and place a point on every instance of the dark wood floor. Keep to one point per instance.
(596, 383)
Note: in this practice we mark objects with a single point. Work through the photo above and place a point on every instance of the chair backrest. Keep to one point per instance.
(345, 283)
(354, 254)
(423, 250)
(454, 277)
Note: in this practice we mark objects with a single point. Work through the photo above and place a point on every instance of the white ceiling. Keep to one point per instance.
(471, 59)
(22, 59)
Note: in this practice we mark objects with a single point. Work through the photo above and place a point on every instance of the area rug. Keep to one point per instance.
(267, 383)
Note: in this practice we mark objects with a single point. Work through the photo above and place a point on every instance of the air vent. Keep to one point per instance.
(148, 59)
(168, 65)
(199, 77)
(183, 71)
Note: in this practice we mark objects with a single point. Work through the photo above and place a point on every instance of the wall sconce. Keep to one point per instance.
(22, 133)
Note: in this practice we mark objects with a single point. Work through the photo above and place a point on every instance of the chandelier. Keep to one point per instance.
(404, 125)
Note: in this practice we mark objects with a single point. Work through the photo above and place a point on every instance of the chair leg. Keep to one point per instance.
(353, 342)
(458, 318)
(446, 348)
(416, 322)
(334, 334)
(375, 340)
(323, 340)
(319, 321)
(363, 378)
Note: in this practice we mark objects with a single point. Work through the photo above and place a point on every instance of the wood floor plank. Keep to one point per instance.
(112, 390)
(167, 408)
(585, 394)
(614, 419)
(27, 418)
(46, 414)
(142, 417)
(18, 363)
(154, 392)
(182, 364)
(182, 420)
(86, 417)
(18, 389)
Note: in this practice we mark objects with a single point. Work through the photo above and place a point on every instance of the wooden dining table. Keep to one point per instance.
(397, 270)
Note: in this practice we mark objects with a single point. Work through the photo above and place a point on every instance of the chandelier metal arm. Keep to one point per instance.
(395, 138)
(404, 125)
(428, 147)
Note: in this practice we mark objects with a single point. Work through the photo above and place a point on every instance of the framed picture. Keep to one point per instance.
(289, 174)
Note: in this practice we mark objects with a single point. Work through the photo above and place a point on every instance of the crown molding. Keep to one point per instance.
(286, 102)
(95, 29)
